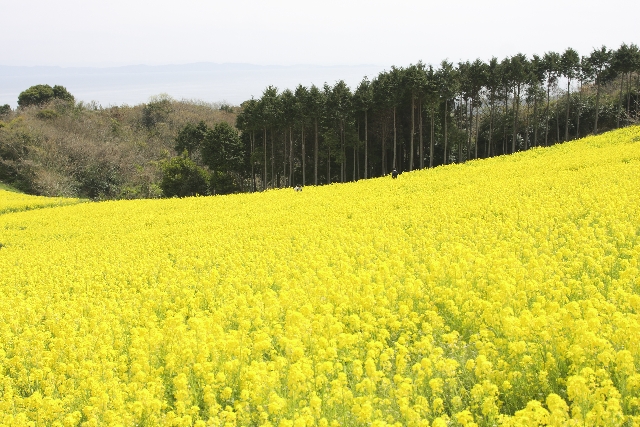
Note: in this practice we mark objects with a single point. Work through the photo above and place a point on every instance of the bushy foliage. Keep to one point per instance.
(181, 177)
(89, 151)
(219, 149)
(191, 137)
(47, 114)
(222, 149)
(222, 183)
(156, 111)
(41, 94)
(61, 92)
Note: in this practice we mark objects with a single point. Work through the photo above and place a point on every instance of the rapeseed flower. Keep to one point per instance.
(497, 292)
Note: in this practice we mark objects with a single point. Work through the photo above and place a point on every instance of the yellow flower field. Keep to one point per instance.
(11, 201)
(498, 292)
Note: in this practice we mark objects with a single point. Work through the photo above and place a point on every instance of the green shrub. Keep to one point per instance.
(61, 92)
(41, 94)
(226, 108)
(223, 183)
(47, 114)
(99, 179)
(181, 177)
(191, 137)
(156, 111)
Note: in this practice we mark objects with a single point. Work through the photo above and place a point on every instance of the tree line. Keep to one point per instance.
(422, 115)
(405, 118)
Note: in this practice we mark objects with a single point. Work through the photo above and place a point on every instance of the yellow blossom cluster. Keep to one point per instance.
(498, 292)
(11, 201)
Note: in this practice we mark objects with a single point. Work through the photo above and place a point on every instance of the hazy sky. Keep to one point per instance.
(285, 32)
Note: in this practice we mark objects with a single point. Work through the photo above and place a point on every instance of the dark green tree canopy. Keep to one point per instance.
(626, 58)
(157, 110)
(191, 137)
(222, 149)
(363, 96)
(41, 94)
(61, 92)
(339, 100)
(181, 177)
(552, 66)
(302, 102)
(569, 63)
(599, 62)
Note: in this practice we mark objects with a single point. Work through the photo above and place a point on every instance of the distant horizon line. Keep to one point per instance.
(231, 83)
(197, 63)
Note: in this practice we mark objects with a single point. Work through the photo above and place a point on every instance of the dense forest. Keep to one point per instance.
(425, 116)
(405, 118)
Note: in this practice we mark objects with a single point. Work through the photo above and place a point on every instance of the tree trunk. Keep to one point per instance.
(579, 110)
(290, 156)
(273, 160)
(366, 146)
(445, 130)
(384, 146)
(343, 156)
(535, 118)
(504, 128)
(566, 126)
(526, 129)
(253, 164)
(284, 161)
(356, 155)
(420, 138)
(620, 102)
(328, 164)
(431, 147)
(395, 141)
(557, 121)
(595, 125)
(413, 130)
(470, 131)
(546, 129)
(342, 153)
(315, 155)
(637, 94)
(516, 106)
(477, 132)
(264, 140)
(460, 120)
(491, 102)
(628, 95)
(304, 158)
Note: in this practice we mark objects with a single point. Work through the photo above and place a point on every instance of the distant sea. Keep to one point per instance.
(208, 82)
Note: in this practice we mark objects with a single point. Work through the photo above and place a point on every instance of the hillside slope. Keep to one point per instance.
(87, 151)
(497, 292)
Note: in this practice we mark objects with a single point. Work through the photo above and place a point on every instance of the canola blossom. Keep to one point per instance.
(11, 201)
(502, 292)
